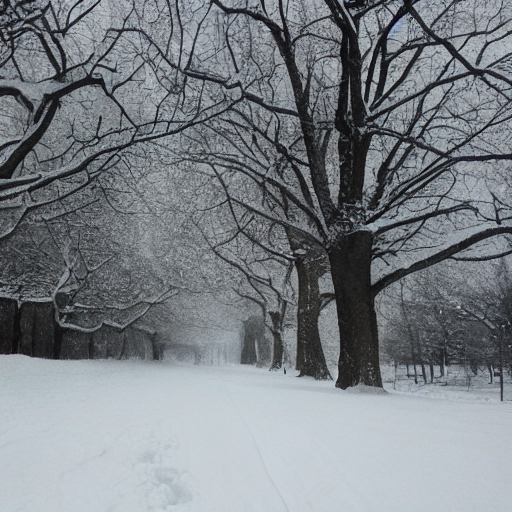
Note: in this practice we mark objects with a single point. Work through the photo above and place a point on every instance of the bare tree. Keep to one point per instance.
(78, 89)
(80, 100)
(310, 263)
(428, 329)
(491, 306)
(263, 278)
(458, 316)
(282, 245)
(381, 123)
(379, 129)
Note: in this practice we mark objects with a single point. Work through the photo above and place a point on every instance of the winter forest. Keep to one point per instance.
(256, 255)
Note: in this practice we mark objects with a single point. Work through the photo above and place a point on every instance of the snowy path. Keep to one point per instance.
(98, 436)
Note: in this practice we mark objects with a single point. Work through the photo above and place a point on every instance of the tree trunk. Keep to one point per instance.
(424, 372)
(57, 346)
(310, 264)
(156, 346)
(37, 329)
(442, 363)
(277, 329)
(501, 335)
(256, 346)
(122, 354)
(249, 344)
(8, 326)
(431, 372)
(310, 355)
(350, 262)
(415, 359)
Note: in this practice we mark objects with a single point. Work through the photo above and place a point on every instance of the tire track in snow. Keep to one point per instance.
(309, 491)
(260, 455)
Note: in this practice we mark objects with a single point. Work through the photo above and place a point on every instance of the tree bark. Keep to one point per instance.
(310, 355)
(9, 321)
(442, 362)
(501, 335)
(37, 329)
(277, 356)
(424, 373)
(256, 346)
(350, 262)
(57, 345)
(156, 346)
(249, 345)
(311, 263)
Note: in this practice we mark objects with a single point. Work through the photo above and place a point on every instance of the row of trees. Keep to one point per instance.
(351, 150)
(453, 317)
(365, 139)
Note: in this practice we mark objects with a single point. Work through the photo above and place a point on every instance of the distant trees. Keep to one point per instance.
(458, 317)
(266, 255)
(258, 278)
(426, 330)
(491, 309)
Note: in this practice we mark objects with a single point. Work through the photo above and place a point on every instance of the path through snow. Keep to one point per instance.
(126, 436)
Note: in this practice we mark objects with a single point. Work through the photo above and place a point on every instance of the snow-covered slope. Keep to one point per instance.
(98, 436)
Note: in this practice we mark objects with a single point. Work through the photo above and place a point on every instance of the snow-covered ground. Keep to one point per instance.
(127, 436)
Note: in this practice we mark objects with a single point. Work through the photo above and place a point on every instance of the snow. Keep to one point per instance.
(137, 436)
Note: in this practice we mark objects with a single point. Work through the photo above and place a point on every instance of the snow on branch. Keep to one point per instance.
(463, 240)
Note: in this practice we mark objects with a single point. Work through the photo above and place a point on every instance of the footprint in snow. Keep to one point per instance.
(168, 489)
(166, 486)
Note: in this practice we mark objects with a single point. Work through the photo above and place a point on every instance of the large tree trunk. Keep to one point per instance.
(310, 355)
(310, 265)
(350, 262)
